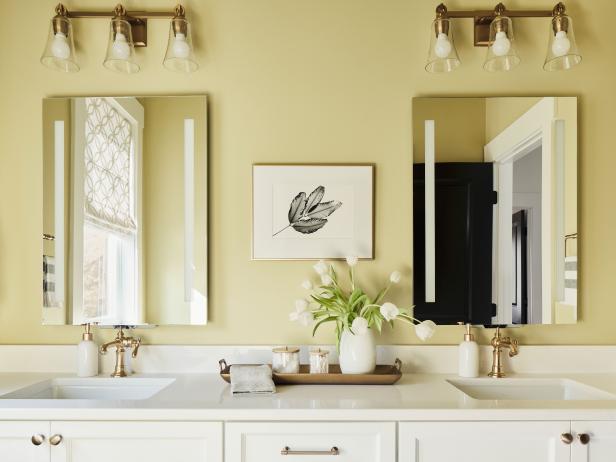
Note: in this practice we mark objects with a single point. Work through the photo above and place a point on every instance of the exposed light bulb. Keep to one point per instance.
(561, 44)
(442, 47)
(120, 48)
(59, 46)
(501, 45)
(180, 48)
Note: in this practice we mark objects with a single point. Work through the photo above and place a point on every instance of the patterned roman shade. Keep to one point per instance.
(108, 166)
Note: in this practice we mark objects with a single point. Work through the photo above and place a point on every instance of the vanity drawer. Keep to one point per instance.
(353, 441)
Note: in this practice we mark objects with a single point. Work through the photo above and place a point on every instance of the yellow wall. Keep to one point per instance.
(459, 128)
(299, 81)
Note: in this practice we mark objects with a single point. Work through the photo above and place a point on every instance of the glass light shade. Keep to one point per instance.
(502, 54)
(442, 54)
(179, 56)
(120, 55)
(562, 52)
(59, 53)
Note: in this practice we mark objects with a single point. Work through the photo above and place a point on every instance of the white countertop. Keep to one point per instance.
(205, 397)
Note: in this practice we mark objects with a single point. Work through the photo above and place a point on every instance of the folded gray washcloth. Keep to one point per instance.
(252, 379)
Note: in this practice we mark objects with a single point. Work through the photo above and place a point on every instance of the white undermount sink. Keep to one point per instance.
(529, 389)
(96, 388)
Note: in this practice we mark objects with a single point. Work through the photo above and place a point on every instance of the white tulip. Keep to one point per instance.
(389, 311)
(359, 326)
(307, 285)
(395, 277)
(305, 318)
(351, 261)
(321, 267)
(326, 280)
(425, 329)
(301, 305)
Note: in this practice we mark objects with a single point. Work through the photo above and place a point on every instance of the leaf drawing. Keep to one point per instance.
(298, 205)
(307, 215)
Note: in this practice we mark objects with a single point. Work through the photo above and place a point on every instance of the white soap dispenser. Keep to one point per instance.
(87, 355)
(468, 355)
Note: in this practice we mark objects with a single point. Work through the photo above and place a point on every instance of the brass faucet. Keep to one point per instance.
(121, 343)
(497, 343)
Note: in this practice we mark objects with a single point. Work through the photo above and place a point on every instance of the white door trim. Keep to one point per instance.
(534, 128)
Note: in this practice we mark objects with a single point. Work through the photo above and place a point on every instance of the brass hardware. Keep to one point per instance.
(566, 438)
(121, 343)
(483, 18)
(54, 440)
(178, 22)
(441, 24)
(38, 439)
(584, 438)
(498, 343)
(137, 19)
(48, 237)
(286, 451)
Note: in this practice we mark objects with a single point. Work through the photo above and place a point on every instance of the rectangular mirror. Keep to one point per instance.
(125, 210)
(495, 210)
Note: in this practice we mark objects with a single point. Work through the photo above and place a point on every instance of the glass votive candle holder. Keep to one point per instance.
(285, 360)
(319, 361)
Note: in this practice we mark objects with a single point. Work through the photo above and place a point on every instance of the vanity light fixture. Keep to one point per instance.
(128, 29)
(562, 48)
(494, 29)
(502, 54)
(442, 54)
(120, 55)
(59, 53)
(179, 56)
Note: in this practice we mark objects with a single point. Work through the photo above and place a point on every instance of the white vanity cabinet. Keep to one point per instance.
(148, 441)
(24, 441)
(594, 441)
(347, 441)
(104, 441)
(483, 441)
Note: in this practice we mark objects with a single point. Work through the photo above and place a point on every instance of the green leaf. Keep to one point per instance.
(316, 326)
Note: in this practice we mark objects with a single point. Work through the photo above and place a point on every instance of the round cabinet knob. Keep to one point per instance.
(584, 438)
(37, 440)
(55, 440)
(566, 438)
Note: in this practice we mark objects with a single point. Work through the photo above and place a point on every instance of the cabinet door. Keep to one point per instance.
(600, 445)
(24, 441)
(348, 442)
(145, 441)
(483, 442)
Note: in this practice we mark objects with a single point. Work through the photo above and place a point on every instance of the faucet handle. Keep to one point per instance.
(135, 344)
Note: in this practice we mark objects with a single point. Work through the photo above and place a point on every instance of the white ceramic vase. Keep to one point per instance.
(357, 353)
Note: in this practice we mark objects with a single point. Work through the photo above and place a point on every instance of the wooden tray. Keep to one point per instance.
(382, 375)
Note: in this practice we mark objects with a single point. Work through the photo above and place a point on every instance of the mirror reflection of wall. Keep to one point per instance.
(125, 210)
(529, 146)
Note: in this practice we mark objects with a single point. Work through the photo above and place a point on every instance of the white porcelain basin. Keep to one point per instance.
(529, 389)
(96, 388)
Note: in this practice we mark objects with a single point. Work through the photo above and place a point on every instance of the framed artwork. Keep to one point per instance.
(304, 212)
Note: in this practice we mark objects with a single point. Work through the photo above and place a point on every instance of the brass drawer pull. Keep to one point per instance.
(55, 440)
(566, 438)
(584, 438)
(286, 451)
(38, 439)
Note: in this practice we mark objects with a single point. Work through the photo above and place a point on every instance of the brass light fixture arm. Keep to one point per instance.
(137, 19)
(483, 18)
